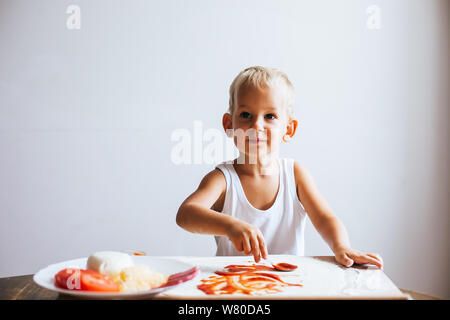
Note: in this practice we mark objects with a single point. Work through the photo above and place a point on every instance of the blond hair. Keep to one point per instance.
(258, 77)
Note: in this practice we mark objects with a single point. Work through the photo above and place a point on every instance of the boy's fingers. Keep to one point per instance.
(344, 259)
(262, 246)
(367, 259)
(238, 245)
(376, 256)
(246, 244)
(255, 248)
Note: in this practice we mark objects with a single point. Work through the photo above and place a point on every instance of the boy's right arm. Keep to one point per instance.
(195, 215)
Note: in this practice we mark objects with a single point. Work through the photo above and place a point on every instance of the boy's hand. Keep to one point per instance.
(249, 239)
(347, 256)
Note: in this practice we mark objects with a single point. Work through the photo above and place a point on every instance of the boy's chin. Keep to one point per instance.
(260, 154)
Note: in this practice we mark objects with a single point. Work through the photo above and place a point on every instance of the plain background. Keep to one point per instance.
(86, 118)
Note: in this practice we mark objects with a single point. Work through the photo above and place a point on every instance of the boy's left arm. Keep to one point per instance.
(327, 223)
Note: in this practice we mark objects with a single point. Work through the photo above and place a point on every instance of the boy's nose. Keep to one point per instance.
(258, 124)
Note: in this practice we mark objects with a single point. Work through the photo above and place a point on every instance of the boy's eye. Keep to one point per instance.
(245, 115)
(270, 116)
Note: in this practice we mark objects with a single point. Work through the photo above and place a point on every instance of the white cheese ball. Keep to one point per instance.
(109, 262)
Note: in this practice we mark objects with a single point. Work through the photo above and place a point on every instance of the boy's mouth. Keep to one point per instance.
(257, 140)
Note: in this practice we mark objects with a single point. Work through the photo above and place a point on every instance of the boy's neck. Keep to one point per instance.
(257, 166)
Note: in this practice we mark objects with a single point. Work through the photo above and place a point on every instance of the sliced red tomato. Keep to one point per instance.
(95, 281)
(79, 279)
(68, 278)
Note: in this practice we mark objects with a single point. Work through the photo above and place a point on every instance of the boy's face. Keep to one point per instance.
(262, 117)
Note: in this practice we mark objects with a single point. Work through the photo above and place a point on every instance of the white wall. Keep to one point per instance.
(86, 118)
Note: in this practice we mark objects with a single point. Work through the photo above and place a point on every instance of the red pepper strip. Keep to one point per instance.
(243, 282)
(282, 266)
(276, 277)
(230, 273)
(184, 273)
(253, 267)
(180, 277)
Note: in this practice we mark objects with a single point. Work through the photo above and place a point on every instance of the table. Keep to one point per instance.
(24, 288)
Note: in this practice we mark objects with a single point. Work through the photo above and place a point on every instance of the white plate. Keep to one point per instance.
(45, 277)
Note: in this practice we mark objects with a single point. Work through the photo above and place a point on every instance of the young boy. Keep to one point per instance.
(258, 203)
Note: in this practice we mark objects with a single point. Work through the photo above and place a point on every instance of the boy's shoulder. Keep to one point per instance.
(300, 172)
(298, 167)
(214, 183)
(214, 177)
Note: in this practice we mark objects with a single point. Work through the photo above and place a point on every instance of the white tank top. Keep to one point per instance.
(282, 225)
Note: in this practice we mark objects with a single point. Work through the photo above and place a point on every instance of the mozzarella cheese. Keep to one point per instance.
(109, 262)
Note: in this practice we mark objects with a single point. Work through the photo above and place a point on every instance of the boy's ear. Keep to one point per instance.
(291, 127)
(227, 124)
